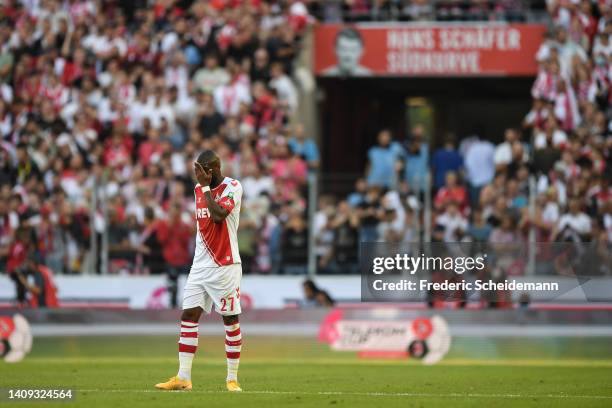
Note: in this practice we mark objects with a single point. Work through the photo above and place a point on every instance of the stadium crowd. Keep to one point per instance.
(419, 10)
(112, 101)
(481, 191)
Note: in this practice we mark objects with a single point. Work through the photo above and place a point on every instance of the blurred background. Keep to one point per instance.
(347, 121)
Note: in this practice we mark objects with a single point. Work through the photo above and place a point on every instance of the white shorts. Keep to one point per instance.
(220, 285)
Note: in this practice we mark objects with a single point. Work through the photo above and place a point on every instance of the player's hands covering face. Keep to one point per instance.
(202, 175)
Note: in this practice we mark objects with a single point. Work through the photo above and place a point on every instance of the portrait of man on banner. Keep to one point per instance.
(349, 48)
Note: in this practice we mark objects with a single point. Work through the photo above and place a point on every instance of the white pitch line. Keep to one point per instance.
(364, 394)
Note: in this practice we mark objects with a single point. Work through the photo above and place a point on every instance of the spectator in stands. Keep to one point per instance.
(150, 247)
(314, 296)
(257, 183)
(174, 236)
(260, 69)
(417, 160)
(384, 161)
(445, 159)
(324, 299)
(567, 50)
(341, 235)
(288, 170)
(479, 167)
(575, 225)
(128, 100)
(503, 151)
(120, 249)
(505, 232)
(323, 234)
(420, 10)
(282, 84)
(310, 290)
(417, 10)
(37, 282)
(357, 197)
(479, 230)
(211, 75)
(369, 214)
(392, 218)
(17, 255)
(452, 191)
(9, 222)
(304, 147)
(452, 223)
(295, 245)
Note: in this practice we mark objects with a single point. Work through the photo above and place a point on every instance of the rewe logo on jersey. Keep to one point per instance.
(202, 213)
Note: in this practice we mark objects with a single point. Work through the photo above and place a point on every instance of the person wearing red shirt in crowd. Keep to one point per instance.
(175, 235)
(452, 191)
(151, 149)
(288, 168)
(117, 151)
(29, 276)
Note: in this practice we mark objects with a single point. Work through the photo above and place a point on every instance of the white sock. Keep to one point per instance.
(188, 344)
(233, 345)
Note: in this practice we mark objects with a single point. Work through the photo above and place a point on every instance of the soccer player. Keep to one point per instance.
(216, 270)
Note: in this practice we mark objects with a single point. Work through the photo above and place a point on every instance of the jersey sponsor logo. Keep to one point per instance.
(202, 213)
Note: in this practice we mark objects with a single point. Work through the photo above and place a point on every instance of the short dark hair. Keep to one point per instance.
(207, 156)
(308, 283)
(349, 33)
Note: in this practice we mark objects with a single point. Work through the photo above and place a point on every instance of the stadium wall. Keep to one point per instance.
(263, 292)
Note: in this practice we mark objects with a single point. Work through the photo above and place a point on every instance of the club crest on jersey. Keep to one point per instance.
(202, 213)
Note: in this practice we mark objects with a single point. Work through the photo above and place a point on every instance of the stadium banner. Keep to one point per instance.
(427, 49)
(426, 337)
(277, 292)
(150, 292)
(15, 338)
(490, 273)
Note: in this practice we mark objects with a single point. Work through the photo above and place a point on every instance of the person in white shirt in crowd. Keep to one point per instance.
(568, 49)
(575, 224)
(257, 184)
(453, 223)
(480, 167)
(503, 151)
(176, 73)
(230, 96)
(551, 135)
(284, 86)
(393, 220)
(211, 75)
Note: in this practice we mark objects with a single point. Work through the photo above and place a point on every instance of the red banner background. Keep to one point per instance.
(436, 50)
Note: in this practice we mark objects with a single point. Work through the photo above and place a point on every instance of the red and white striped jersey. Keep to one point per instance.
(217, 244)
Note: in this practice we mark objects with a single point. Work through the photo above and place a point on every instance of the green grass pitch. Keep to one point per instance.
(299, 372)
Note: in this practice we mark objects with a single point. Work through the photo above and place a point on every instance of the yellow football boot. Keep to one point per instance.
(233, 386)
(174, 383)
